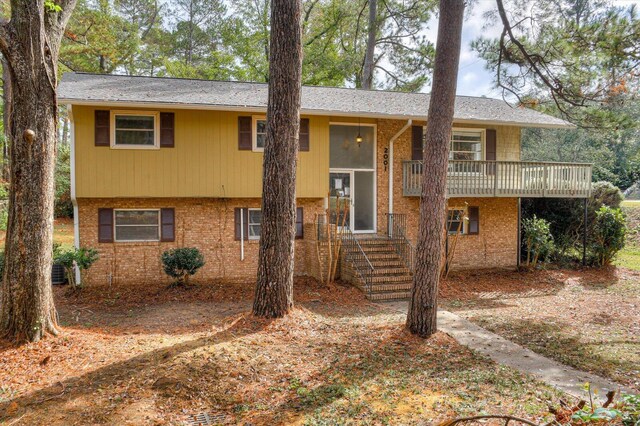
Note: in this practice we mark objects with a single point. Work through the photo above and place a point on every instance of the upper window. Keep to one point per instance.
(259, 133)
(135, 129)
(137, 225)
(466, 145)
(255, 224)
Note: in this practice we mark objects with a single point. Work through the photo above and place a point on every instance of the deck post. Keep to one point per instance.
(518, 250)
(584, 234)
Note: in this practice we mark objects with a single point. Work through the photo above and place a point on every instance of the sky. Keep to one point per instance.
(473, 79)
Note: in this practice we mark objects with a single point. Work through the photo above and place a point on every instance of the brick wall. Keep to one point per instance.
(207, 224)
(496, 244)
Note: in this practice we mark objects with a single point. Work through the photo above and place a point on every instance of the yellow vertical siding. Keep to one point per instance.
(205, 162)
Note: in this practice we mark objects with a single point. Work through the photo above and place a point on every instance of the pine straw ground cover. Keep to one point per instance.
(154, 356)
(588, 319)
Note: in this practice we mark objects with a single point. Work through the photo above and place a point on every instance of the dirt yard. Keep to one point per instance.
(587, 319)
(157, 356)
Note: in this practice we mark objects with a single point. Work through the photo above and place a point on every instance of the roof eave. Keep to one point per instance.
(253, 109)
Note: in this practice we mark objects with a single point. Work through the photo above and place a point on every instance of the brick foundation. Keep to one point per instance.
(207, 224)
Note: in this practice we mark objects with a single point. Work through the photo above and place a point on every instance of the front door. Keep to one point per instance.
(352, 176)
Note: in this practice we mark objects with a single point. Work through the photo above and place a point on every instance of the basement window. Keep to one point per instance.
(255, 224)
(134, 129)
(456, 222)
(137, 225)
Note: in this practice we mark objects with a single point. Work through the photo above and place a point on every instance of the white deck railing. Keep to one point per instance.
(506, 179)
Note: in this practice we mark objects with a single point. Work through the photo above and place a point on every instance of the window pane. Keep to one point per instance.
(467, 136)
(255, 216)
(134, 137)
(254, 231)
(137, 233)
(134, 122)
(344, 152)
(464, 156)
(261, 126)
(260, 138)
(137, 217)
(466, 146)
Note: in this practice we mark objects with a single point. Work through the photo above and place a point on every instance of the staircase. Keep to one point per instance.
(389, 278)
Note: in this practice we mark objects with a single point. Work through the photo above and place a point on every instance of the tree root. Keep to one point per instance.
(506, 418)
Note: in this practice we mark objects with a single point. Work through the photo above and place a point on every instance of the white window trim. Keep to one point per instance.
(115, 225)
(156, 129)
(465, 221)
(249, 223)
(254, 132)
(374, 170)
(483, 139)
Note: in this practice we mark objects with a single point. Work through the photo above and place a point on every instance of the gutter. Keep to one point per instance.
(74, 201)
(391, 141)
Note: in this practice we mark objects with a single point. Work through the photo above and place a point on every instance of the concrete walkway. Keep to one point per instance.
(507, 353)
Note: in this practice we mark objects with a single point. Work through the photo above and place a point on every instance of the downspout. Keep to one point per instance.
(74, 202)
(391, 141)
(241, 234)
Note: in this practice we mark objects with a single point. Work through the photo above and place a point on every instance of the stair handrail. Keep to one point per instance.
(397, 236)
(355, 255)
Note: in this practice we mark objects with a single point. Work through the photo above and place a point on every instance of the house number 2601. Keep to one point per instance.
(385, 158)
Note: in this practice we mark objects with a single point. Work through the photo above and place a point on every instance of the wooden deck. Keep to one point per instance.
(506, 179)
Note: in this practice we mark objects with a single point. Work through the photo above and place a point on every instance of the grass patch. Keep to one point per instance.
(629, 257)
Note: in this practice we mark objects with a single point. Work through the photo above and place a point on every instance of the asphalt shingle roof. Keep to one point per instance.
(101, 89)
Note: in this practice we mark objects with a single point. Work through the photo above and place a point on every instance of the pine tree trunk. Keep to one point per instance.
(274, 288)
(421, 319)
(367, 69)
(30, 44)
(6, 98)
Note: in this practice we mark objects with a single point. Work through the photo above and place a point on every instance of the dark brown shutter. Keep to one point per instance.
(244, 134)
(491, 145)
(102, 119)
(474, 220)
(167, 129)
(299, 223)
(168, 224)
(245, 222)
(490, 150)
(304, 134)
(105, 225)
(417, 142)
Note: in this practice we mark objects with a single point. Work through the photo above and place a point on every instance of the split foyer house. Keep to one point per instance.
(159, 163)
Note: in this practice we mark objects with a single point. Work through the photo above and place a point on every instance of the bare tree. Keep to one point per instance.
(30, 43)
(421, 319)
(274, 288)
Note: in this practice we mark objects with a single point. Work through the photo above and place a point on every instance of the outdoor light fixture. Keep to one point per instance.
(359, 137)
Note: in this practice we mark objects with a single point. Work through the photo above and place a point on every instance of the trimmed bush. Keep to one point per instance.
(609, 229)
(537, 239)
(181, 263)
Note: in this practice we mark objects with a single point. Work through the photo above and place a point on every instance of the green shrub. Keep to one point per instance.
(607, 236)
(605, 193)
(181, 263)
(566, 219)
(82, 258)
(537, 239)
